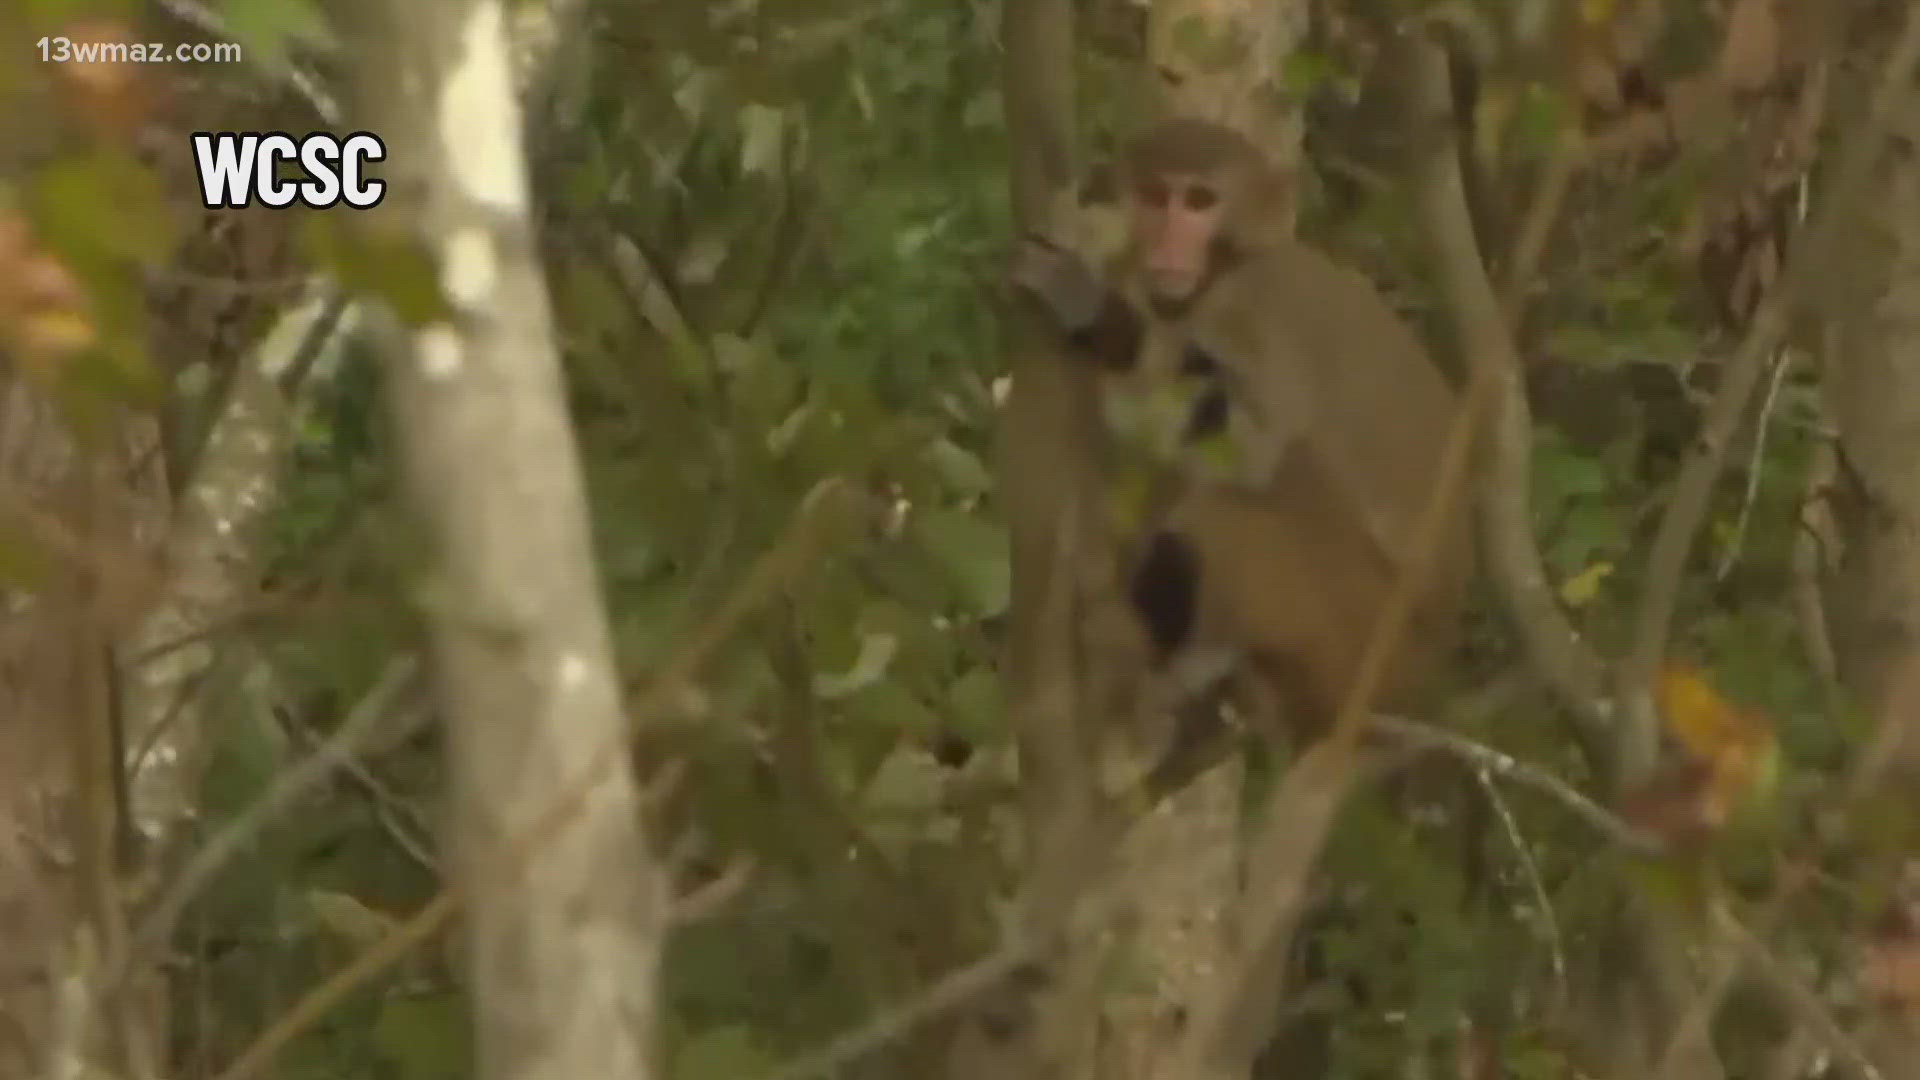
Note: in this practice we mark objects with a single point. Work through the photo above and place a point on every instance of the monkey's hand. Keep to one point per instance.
(1066, 287)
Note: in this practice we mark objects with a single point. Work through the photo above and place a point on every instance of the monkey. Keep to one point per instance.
(1289, 423)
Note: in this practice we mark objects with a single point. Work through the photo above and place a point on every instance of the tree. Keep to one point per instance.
(563, 931)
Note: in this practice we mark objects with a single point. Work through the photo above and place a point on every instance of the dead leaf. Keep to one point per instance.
(1731, 753)
(102, 77)
(43, 316)
(1677, 805)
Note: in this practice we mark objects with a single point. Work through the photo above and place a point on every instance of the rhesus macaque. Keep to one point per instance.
(1286, 422)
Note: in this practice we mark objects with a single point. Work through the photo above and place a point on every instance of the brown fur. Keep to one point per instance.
(1350, 416)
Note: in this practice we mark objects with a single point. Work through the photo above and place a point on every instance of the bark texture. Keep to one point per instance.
(566, 912)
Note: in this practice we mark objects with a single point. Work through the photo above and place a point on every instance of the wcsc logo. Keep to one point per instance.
(320, 171)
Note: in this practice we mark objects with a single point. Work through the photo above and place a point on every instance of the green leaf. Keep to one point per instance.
(909, 779)
(877, 651)
(961, 469)
(55, 10)
(1303, 72)
(721, 1053)
(347, 918)
(762, 139)
(887, 706)
(977, 705)
(983, 111)
(424, 1037)
(102, 207)
(973, 553)
(390, 265)
(268, 27)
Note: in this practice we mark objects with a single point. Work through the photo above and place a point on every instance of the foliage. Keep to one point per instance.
(771, 236)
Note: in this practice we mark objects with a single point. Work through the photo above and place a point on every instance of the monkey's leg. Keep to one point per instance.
(1201, 740)
(1165, 591)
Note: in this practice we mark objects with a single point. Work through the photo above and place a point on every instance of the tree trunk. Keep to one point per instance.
(1872, 360)
(566, 912)
(1873, 386)
(1049, 522)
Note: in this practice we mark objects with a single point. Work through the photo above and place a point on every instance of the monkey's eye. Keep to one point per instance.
(1154, 193)
(1201, 197)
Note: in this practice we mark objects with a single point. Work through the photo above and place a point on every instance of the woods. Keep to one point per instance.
(652, 594)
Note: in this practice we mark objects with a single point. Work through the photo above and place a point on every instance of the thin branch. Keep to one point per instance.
(402, 822)
(1530, 243)
(1529, 866)
(1782, 363)
(303, 82)
(288, 788)
(1809, 568)
(1667, 561)
(795, 552)
(952, 991)
(1482, 325)
(1799, 998)
(1483, 758)
(704, 901)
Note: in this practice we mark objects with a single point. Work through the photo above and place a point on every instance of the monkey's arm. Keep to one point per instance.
(1096, 320)
(1244, 415)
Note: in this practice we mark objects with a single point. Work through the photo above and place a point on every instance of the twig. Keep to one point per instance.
(1797, 996)
(303, 83)
(1667, 560)
(952, 991)
(1549, 922)
(402, 822)
(762, 582)
(1483, 758)
(287, 788)
(703, 901)
(1026, 939)
(1530, 244)
(1809, 566)
(1482, 325)
(1864, 778)
(1762, 425)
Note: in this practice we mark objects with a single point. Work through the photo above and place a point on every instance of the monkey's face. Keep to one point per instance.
(1177, 220)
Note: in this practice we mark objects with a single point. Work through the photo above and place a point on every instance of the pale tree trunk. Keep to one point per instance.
(150, 578)
(1222, 59)
(211, 558)
(566, 913)
(1181, 866)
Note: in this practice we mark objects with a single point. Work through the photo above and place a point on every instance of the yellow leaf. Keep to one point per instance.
(348, 918)
(55, 332)
(1736, 746)
(1580, 589)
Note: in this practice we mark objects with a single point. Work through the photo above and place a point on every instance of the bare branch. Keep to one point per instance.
(287, 789)
(766, 579)
(1666, 562)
